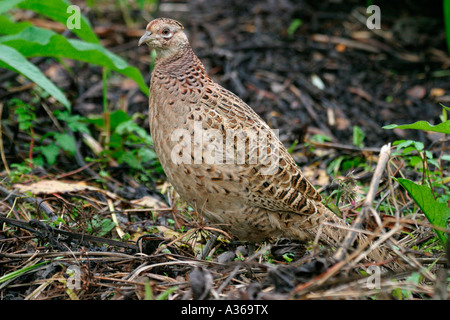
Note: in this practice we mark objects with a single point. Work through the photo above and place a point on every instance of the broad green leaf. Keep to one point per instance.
(118, 117)
(35, 41)
(443, 127)
(446, 9)
(437, 213)
(14, 60)
(6, 5)
(9, 27)
(57, 10)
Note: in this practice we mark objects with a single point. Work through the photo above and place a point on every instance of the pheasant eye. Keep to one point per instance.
(166, 32)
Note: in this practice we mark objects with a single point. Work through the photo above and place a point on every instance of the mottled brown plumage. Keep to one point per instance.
(237, 197)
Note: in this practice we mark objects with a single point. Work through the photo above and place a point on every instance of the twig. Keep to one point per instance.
(347, 42)
(357, 224)
(41, 204)
(35, 226)
(343, 147)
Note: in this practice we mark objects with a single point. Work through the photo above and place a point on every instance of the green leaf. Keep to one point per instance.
(50, 152)
(165, 294)
(446, 10)
(146, 155)
(6, 5)
(415, 279)
(437, 213)
(415, 160)
(35, 41)
(433, 162)
(118, 117)
(129, 127)
(402, 143)
(17, 273)
(443, 127)
(100, 227)
(57, 10)
(76, 123)
(9, 27)
(358, 136)
(66, 142)
(25, 114)
(14, 60)
(295, 24)
(130, 159)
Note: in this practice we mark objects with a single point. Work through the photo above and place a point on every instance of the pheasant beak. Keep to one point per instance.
(145, 38)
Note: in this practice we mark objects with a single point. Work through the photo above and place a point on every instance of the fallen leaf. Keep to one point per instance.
(168, 233)
(360, 92)
(437, 92)
(55, 186)
(149, 202)
(316, 175)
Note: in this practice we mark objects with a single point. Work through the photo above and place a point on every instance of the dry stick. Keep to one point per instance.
(357, 224)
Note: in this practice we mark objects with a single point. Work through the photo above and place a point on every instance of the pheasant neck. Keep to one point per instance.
(179, 62)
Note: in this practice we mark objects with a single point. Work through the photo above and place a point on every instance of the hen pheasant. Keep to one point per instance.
(254, 190)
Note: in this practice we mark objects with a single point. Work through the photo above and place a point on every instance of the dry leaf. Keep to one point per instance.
(437, 92)
(55, 186)
(149, 202)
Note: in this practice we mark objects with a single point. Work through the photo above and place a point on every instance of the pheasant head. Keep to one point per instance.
(166, 36)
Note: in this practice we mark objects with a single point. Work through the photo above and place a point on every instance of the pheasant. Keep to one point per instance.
(221, 157)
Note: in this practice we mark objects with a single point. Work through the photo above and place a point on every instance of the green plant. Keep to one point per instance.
(100, 226)
(128, 142)
(345, 163)
(435, 211)
(358, 137)
(293, 26)
(433, 204)
(46, 153)
(19, 170)
(23, 40)
(288, 257)
(346, 189)
(446, 5)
